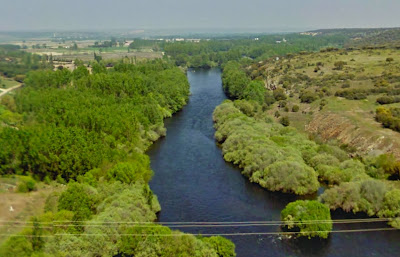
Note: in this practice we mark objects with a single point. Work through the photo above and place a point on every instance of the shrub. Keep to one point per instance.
(308, 97)
(295, 108)
(289, 177)
(389, 59)
(222, 246)
(363, 196)
(26, 184)
(298, 216)
(284, 121)
(279, 94)
(339, 65)
(131, 172)
(385, 100)
(247, 107)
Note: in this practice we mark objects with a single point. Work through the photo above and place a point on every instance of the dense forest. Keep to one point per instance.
(90, 131)
(216, 52)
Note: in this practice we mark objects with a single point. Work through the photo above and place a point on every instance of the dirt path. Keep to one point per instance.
(5, 91)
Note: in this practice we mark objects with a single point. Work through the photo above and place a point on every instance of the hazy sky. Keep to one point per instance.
(173, 14)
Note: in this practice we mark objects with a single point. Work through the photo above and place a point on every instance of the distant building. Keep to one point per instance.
(278, 41)
(179, 39)
(256, 39)
(194, 40)
(127, 43)
(310, 33)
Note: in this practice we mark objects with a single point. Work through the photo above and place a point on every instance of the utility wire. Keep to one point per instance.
(213, 234)
(222, 223)
(187, 225)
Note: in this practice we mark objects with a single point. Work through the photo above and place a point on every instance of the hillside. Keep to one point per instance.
(337, 92)
(364, 37)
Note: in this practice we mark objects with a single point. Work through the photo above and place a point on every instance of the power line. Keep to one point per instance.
(212, 234)
(222, 223)
(197, 225)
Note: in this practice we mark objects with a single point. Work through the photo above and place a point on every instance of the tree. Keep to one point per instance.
(131, 172)
(78, 198)
(307, 218)
(284, 121)
(222, 246)
(255, 91)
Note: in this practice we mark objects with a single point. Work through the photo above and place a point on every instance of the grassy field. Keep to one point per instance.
(16, 206)
(64, 51)
(7, 83)
(352, 122)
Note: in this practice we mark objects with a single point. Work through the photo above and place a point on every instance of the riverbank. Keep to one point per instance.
(195, 184)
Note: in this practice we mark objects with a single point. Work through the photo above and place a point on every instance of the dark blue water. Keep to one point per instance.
(194, 184)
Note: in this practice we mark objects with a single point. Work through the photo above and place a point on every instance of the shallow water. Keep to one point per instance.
(194, 183)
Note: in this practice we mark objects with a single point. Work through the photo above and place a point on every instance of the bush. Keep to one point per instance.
(339, 65)
(284, 121)
(362, 196)
(247, 107)
(131, 172)
(308, 97)
(26, 184)
(279, 94)
(388, 99)
(298, 216)
(289, 177)
(352, 94)
(222, 246)
(295, 108)
(346, 85)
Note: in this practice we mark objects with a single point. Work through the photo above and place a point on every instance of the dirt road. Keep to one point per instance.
(5, 91)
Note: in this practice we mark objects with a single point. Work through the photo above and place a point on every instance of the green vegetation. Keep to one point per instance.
(282, 159)
(90, 131)
(373, 197)
(26, 184)
(78, 121)
(268, 153)
(217, 52)
(389, 117)
(14, 62)
(307, 218)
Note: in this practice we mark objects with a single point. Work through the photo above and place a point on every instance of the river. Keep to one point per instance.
(194, 184)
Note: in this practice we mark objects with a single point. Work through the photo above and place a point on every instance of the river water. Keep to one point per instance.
(194, 184)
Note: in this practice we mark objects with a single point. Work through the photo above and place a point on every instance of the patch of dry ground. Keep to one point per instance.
(16, 207)
(366, 139)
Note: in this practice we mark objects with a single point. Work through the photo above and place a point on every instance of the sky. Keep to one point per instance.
(26, 15)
